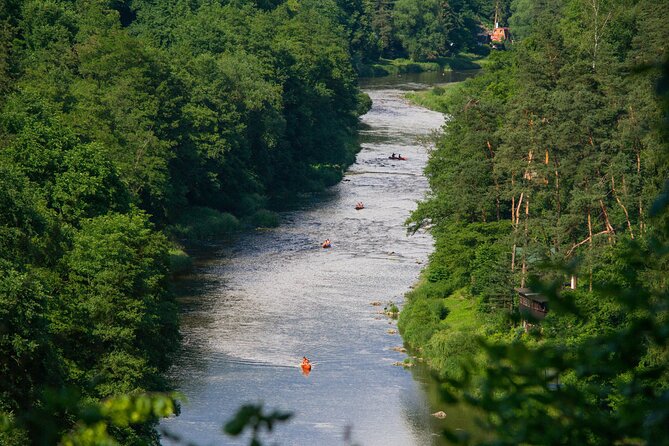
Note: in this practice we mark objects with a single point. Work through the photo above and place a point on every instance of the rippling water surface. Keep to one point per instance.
(256, 306)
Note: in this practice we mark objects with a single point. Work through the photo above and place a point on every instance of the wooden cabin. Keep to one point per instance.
(500, 34)
(532, 304)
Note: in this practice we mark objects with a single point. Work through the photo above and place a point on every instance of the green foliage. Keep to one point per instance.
(116, 281)
(423, 27)
(264, 219)
(180, 261)
(253, 417)
(26, 354)
(428, 29)
(118, 412)
(364, 104)
(95, 421)
(438, 99)
(418, 321)
(201, 223)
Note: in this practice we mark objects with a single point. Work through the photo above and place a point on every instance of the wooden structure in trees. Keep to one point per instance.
(500, 34)
(532, 304)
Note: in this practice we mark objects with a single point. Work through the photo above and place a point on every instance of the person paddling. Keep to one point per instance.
(305, 366)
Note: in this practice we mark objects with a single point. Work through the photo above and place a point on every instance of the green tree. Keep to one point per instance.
(423, 27)
(115, 279)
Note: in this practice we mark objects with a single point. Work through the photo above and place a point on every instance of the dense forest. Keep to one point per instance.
(548, 174)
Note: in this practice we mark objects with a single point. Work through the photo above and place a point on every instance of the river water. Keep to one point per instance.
(255, 306)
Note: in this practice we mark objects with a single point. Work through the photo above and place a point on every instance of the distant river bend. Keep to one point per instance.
(253, 308)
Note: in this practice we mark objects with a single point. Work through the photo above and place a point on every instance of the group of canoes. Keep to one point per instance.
(306, 365)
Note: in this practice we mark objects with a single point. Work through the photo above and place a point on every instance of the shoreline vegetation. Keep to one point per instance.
(202, 225)
(438, 98)
(395, 66)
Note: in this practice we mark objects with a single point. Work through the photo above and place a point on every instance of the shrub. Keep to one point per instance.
(202, 223)
(264, 219)
(180, 262)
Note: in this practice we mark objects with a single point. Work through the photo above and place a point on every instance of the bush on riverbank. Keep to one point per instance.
(443, 326)
(264, 219)
(438, 99)
(202, 223)
(364, 104)
(389, 67)
(393, 67)
(180, 262)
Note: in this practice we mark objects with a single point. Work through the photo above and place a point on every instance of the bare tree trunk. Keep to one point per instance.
(607, 223)
(525, 243)
(598, 29)
(520, 201)
(620, 203)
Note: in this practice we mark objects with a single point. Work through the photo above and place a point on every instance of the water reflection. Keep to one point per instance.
(416, 81)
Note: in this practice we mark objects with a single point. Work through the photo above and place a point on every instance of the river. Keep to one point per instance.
(256, 305)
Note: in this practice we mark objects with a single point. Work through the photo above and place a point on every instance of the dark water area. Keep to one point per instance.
(415, 81)
(255, 306)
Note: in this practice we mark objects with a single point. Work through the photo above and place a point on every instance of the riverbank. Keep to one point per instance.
(200, 224)
(451, 306)
(442, 326)
(439, 98)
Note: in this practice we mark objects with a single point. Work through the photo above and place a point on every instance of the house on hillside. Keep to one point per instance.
(499, 34)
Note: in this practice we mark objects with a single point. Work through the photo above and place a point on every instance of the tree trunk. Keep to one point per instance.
(620, 203)
(607, 223)
(525, 243)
